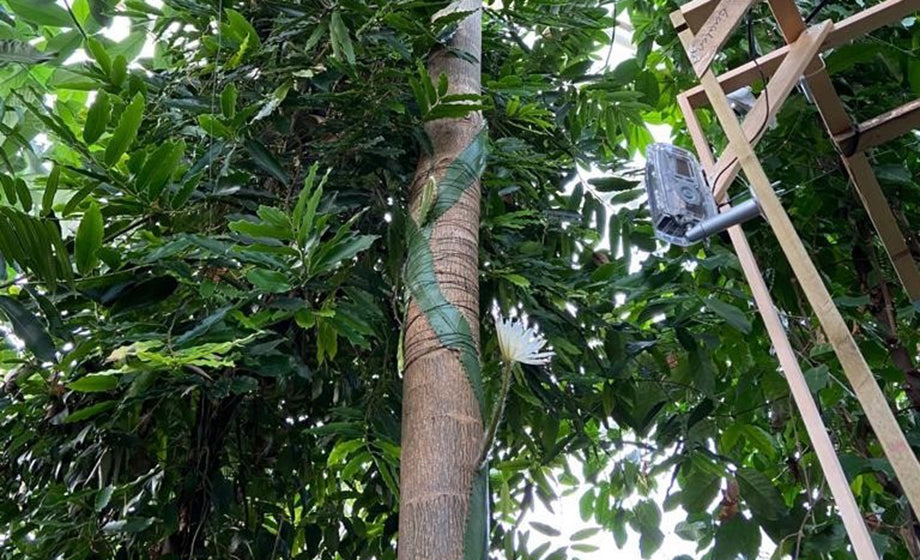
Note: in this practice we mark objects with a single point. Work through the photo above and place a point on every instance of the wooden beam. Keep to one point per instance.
(706, 43)
(870, 396)
(769, 102)
(872, 197)
(845, 31)
(697, 134)
(833, 113)
(881, 129)
(836, 121)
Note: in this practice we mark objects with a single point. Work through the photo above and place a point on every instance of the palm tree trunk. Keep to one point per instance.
(442, 421)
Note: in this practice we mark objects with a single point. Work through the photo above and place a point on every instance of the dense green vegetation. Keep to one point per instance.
(202, 249)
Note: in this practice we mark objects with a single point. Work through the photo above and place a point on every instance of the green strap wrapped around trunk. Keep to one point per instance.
(445, 319)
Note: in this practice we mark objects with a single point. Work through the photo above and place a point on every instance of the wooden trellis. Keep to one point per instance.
(704, 26)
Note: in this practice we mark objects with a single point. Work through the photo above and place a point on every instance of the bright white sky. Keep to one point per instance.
(566, 517)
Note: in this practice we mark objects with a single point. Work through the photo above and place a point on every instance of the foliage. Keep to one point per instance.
(203, 247)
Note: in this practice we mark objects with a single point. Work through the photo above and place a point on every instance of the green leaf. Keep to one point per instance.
(51, 187)
(94, 383)
(913, 76)
(760, 439)
(143, 294)
(42, 12)
(895, 173)
(97, 118)
(104, 496)
(760, 494)
(88, 239)
(126, 131)
(242, 29)
(266, 160)
(545, 529)
(274, 101)
(584, 534)
(269, 281)
(260, 230)
(307, 203)
(612, 184)
(817, 378)
(732, 315)
(650, 541)
(647, 515)
(736, 537)
(342, 251)
(119, 71)
(586, 506)
(17, 52)
(202, 327)
(99, 54)
(25, 195)
(27, 327)
(212, 125)
(90, 411)
(160, 167)
(327, 343)
(342, 450)
(9, 189)
(228, 101)
(341, 42)
(132, 525)
(699, 491)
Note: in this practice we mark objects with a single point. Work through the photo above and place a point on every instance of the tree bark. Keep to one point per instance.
(441, 420)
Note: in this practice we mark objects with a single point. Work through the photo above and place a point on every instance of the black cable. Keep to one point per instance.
(853, 147)
(815, 11)
(752, 54)
(752, 48)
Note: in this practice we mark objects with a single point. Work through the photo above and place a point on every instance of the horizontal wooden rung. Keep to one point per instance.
(881, 129)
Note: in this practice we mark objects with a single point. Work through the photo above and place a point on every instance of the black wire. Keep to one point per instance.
(752, 53)
(816, 10)
(855, 145)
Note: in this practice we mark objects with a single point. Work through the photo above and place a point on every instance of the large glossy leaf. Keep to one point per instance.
(97, 119)
(42, 12)
(160, 167)
(89, 239)
(126, 131)
(264, 159)
(732, 315)
(12, 51)
(51, 188)
(89, 412)
(341, 41)
(28, 328)
(760, 494)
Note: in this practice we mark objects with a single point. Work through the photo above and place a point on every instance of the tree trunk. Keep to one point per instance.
(441, 421)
